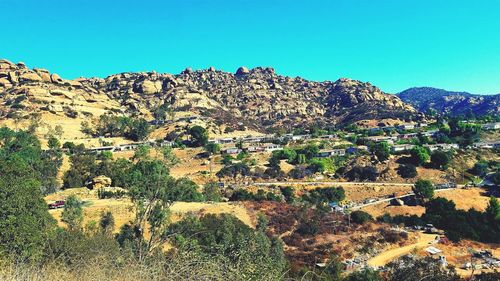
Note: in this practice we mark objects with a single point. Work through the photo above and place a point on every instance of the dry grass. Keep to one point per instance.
(464, 199)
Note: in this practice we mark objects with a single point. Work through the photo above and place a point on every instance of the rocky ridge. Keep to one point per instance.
(257, 98)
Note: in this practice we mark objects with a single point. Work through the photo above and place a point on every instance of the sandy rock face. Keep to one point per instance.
(100, 182)
(255, 98)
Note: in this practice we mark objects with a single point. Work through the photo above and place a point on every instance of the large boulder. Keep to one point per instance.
(43, 73)
(242, 71)
(30, 76)
(100, 182)
(56, 78)
(150, 87)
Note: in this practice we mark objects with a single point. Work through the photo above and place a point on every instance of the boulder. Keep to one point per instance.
(30, 76)
(56, 78)
(43, 73)
(149, 87)
(5, 82)
(13, 77)
(5, 64)
(100, 182)
(242, 71)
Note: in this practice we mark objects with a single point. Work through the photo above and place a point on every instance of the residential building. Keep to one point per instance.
(331, 152)
(491, 126)
(442, 146)
(401, 147)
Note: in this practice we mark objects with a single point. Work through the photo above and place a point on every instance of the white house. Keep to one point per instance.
(402, 147)
(331, 152)
(491, 126)
(442, 146)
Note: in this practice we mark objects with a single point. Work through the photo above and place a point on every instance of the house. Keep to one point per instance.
(252, 149)
(401, 147)
(299, 137)
(422, 125)
(408, 136)
(442, 146)
(382, 138)
(406, 126)
(232, 150)
(491, 126)
(331, 152)
(491, 145)
(272, 147)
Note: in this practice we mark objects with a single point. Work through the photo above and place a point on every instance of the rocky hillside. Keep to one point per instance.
(447, 102)
(257, 98)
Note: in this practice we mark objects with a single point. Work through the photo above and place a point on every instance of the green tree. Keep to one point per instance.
(72, 214)
(423, 189)
(53, 143)
(493, 209)
(360, 217)
(407, 171)
(381, 150)
(419, 155)
(212, 148)
(199, 136)
(366, 274)
(107, 223)
(211, 192)
(138, 129)
(24, 217)
(440, 159)
(225, 236)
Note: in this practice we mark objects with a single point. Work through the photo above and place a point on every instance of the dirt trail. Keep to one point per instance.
(390, 255)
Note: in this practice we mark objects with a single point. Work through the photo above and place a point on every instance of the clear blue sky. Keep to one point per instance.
(393, 44)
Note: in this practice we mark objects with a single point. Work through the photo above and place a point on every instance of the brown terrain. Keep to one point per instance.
(256, 98)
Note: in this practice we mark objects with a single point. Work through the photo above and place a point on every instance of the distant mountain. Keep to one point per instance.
(454, 103)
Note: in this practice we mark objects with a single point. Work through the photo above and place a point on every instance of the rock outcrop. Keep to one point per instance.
(256, 98)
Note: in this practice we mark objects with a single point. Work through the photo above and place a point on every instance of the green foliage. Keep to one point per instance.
(199, 136)
(360, 217)
(423, 189)
(212, 148)
(107, 223)
(288, 193)
(410, 269)
(480, 169)
(419, 155)
(366, 274)
(362, 173)
(53, 143)
(493, 209)
(72, 214)
(212, 192)
(135, 129)
(440, 159)
(322, 196)
(23, 149)
(234, 170)
(83, 168)
(381, 150)
(407, 171)
(24, 219)
(226, 236)
(103, 194)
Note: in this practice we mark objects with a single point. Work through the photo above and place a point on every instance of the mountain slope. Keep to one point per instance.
(454, 103)
(257, 98)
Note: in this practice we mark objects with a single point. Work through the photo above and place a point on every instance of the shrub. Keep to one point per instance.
(360, 217)
(407, 171)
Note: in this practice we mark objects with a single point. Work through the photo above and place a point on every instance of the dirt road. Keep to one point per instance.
(385, 257)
